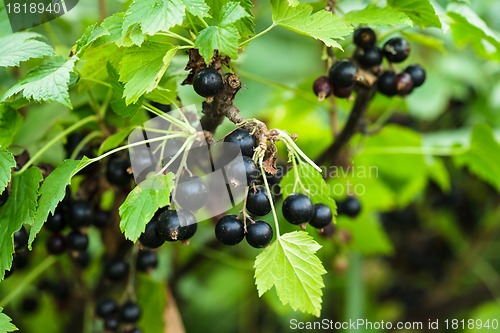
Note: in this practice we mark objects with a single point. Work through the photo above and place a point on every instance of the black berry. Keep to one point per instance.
(322, 216)
(147, 260)
(208, 82)
(244, 140)
(248, 168)
(191, 193)
(258, 201)
(56, 244)
(417, 74)
(149, 237)
(169, 226)
(29, 305)
(342, 73)
(297, 208)
(20, 239)
(116, 270)
(77, 241)
(117, 171)
(251, 170)
(135, 330)
(404, 84)
(188, 231)
(111, 323)
(396, 49)
(130, 313)
(106, 308)
(3, 197)
(259, 234)
(343, 92)
(322, 87)
(81, 214)
(83, 259)
(56, 222)
(364, 37)
(102, 219)
(350, 207)
(20, 260)
(230, 230)
(386, 84)
(368, 58)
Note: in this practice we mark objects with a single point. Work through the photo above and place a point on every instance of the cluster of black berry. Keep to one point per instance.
(299, 209)
(369, 57)
(114, 315)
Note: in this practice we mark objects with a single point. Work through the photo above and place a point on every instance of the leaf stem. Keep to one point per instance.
(271, 27)
(284, 135)
(177, 36)
(270, 195)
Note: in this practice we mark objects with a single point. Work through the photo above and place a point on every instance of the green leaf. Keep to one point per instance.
(6, 323)
(91, 34)
(52, 191)
(117, 102)
(153, 16)
(377, 16)
(232, 12)
(47, 83)
(114, 140)
(421, 12)
(10, 122)
(224, 39)
(143, 67)
(321, 25)
(482, 157)
(291, 266)
(368, 235)
(151, 296)
(425, 40)
(18, 210)
(7, 162)
(311, 184)
(142, 203)
(21, 46)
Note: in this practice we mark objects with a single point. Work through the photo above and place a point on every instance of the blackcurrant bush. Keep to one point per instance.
(364, 37)
(342, 73)
(259, 234)
(77, 241)
(297, 208)
(417, 74)
(230, 230)
(106, 308)
(404, 84)
(117, 171)
(343, 92)
(322, 216)
(147, 260)
(56, 222)
(386, 83)
(191, 193)
(169, 226)
(396, 49)
(116, 270)
(149, 237)
(244, 140)
(322, 87)
(368, 58)
(208, 82)
(3, 197)
(56, 244)
(130, 313)
(81, 214)
(258, 201)
(29, 305)
(112, 323)
(20, 239)
(351, 207)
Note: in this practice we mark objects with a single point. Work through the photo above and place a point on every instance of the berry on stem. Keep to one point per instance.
(259, 234)
(342, 73)
(147, 260)
(368, 58)
(396, 49)
(322, 216)
(56, 244)
(56, 222)
(191, 193)
(106, 307)
(343, 92)
(130, 313)
(297, 208)
(149, 237)
(350, 207)
(322, 87)
(208, 82)
(258, 201)
(117, 171)
(244, 140)
(81, 214)
(417, 74)
(230, 230)
(169, 226)
(404, 84)
(386, 84)
(116, 270)
(111, 323)
(77, 241)
(364, 37)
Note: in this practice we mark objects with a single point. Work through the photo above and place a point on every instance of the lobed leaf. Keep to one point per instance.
(7, 162)
(21, 46)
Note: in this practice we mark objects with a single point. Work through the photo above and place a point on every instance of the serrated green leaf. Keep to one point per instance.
(425, 40)
(114, 140)
(151, 296)
(313, 185)
(224, 39)
(421, 12)
(232, 12)
(143, 67)
(52, 191)
(377, 16)
(117, 102)
(10, 122)
(21, 46)
(7, 162)
(321, 25)
(142, 203)
(18, 210)
(46, 83)
(482, 157)
(6, 323)
(291, 266)
(90, 35)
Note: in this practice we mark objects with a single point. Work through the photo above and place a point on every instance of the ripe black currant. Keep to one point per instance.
(135, 330)
(106, 308)
(364, 37)
(327, 231)
(230, 230)
(342, 73)
(244, 140)
(386, 84)
(208, 82)
(259, 234)
(297, 208)
(169, 226)
(149, 237)
(117, 171)
(102, 219)
(29, 305)
(368, 58)
(248, 167)
(191, 193)
(20, 239)
(147, 260)
(404, 84)
(322, 216)
(188, 231)
(56, 222)
(322, 87)
(351, 207)
(130, 313)
(56, 244)
(116, 270)
(111, 323)
(417, 74)
(81, 214)
(343, 92)
(3, 197)
(77, 241)
(258, 201)
(396, 49)
(83, 259)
